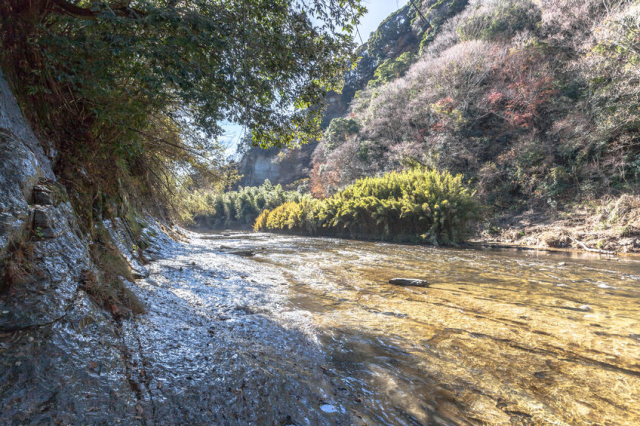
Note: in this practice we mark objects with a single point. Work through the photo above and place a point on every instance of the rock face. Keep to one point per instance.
(55, 343)
(220, 346)
(262, 168)
(258, 165)
(22, 165)
(125, 242)
(39, 235)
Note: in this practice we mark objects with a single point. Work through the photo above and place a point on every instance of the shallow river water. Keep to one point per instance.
(309, 331)
(499, 337)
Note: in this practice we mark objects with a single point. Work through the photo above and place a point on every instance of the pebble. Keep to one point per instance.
(328, 408)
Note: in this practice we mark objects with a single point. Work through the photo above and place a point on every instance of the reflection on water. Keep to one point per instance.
(500, 337)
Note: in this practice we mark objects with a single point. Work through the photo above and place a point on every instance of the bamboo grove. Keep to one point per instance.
(416, 205)
(241, 207)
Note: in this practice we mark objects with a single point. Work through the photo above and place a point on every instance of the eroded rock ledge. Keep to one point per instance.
(61, 356)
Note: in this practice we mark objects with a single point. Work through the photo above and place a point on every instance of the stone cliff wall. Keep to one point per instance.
(258, 165)
(61, 356)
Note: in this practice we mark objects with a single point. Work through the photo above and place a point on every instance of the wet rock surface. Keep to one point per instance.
(42, 243)
(22, 165)
(49, 193)
(124, 240)
(71, 371)
(53, 269)
(218, 346)
(61, 357)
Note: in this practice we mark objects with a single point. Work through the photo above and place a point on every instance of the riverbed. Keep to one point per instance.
(309, 331)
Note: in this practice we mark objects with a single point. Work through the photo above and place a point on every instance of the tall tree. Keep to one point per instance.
(115, 69)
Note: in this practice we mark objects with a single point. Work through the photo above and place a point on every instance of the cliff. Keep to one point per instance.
(62, 357)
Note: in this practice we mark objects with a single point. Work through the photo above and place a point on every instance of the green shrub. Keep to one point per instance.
(392, 69)
(261, 220)
(339, 130)
(415, 205)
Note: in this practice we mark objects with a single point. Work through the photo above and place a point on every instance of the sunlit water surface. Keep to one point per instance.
(500, 337)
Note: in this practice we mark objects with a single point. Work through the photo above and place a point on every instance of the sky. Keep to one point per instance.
(377, 11)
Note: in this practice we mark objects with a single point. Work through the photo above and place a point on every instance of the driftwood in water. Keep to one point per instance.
(584, 247)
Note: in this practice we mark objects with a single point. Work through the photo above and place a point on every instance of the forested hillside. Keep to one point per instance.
(386, 54)
(536, 102)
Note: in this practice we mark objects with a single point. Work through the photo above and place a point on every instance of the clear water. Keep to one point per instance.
(500, 337)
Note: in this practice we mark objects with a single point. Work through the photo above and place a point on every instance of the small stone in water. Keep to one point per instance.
(562, 264)
(243, 253)
(328, 408)
(585, 307)
(408, 282)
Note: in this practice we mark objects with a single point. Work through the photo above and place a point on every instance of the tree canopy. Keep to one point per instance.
(266, 64)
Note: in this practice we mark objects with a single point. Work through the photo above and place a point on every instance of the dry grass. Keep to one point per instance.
(107, 287)
(18, 265)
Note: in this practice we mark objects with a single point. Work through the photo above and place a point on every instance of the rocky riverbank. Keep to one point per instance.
(61, 358)
(609, 226)
(214, 347)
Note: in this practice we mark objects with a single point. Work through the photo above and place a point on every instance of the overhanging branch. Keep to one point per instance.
(67, 8)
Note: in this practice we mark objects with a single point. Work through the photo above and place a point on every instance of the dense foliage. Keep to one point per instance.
(386, 55)
(537, 102)
(132, 93)
(241, 207)
(255, 62)
(128, 95)
(415, 205)
(395, 43)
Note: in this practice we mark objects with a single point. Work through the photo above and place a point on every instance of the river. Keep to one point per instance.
(309, 331)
